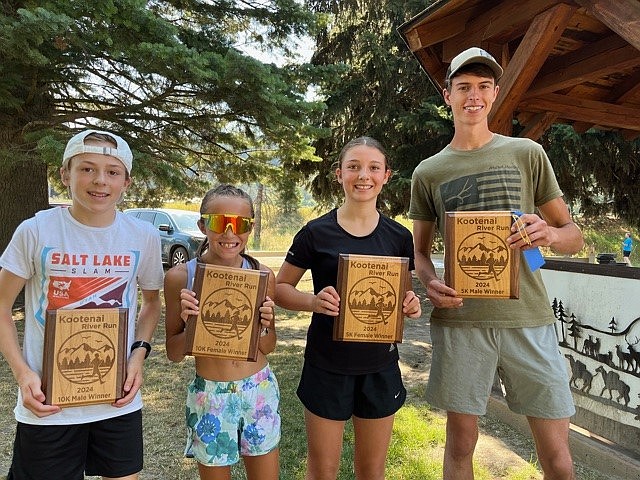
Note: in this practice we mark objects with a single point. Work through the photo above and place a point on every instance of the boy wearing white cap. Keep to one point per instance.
(482, 170)
(86, 256)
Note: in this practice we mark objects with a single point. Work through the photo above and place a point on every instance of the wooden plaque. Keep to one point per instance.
(371, 290)
(478, 261)
(85, 356)
(228, 325)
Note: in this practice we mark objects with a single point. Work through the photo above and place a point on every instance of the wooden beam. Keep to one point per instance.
(412, 39)
(602, 45)
(542, 35)
(621, 16)
(507, 16)
(581, 127)
(630, 89)
(430, 33)
(583, 110)
(428, 59)
(538, 124)
(524, 117)
(591, 68)
(630, 135)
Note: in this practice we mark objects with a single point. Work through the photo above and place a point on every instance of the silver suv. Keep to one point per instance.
(178, 229)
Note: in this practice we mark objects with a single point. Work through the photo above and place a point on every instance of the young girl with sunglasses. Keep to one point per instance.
(347, 380)
(232, 406)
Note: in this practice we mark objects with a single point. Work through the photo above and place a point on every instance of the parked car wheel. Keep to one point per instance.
(179, 255)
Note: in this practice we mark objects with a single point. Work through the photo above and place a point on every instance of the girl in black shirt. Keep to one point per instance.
(343, 380)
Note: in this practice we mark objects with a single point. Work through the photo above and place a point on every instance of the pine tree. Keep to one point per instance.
(168, 76)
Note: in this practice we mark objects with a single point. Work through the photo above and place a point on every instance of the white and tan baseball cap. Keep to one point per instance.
(76, 146)
(474, 55)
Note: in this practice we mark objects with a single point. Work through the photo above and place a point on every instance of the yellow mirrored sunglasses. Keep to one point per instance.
(219, 222)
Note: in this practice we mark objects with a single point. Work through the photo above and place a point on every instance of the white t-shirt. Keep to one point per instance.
(71, 265)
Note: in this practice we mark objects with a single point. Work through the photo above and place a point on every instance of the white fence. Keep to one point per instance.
(598, 325)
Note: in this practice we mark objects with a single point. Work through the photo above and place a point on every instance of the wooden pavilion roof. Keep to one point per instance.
(565, 61)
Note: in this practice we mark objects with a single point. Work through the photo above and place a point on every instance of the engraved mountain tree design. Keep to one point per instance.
(483, 256)
(372, 300)
(86, 357)
(227, 313)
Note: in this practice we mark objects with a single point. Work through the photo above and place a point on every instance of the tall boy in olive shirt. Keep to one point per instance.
(480, 170)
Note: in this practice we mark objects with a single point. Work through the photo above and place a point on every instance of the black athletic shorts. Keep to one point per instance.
(111, 448)
(337, 397)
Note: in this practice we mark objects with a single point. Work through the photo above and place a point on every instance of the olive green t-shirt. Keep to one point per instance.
(505, 174)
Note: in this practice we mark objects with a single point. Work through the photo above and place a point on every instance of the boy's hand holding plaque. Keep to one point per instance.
(371, 289)
(228, 324)
(85, 355)
(478, 260)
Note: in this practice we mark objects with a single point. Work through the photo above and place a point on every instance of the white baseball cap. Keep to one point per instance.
(474, 55)
(76, 146)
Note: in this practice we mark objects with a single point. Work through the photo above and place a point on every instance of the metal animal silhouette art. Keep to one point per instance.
(612, 382)
(579, 371)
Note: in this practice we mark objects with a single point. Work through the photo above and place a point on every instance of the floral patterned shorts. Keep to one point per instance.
(229, 419)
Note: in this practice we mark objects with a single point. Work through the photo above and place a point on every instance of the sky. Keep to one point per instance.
(304, 46)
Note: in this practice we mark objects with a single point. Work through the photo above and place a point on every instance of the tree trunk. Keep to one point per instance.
(23, 183)
(257, 226)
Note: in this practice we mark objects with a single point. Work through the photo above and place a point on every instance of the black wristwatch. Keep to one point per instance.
(141, 343)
